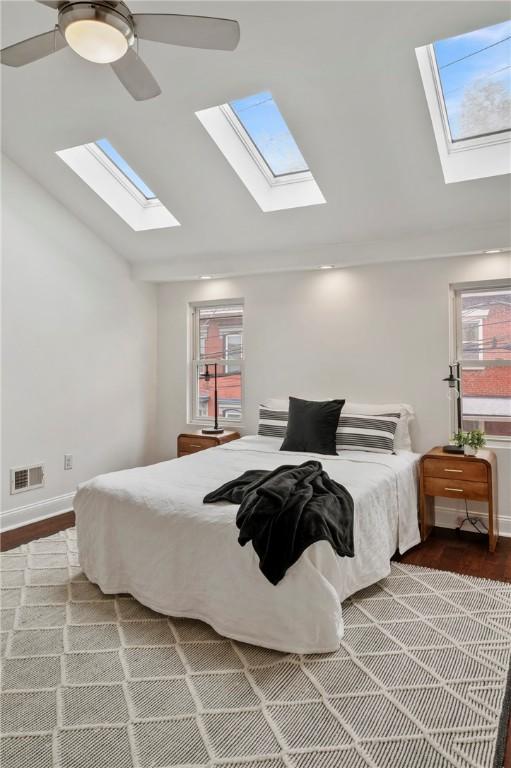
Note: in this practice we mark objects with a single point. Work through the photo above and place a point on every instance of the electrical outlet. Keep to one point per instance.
(68, 461)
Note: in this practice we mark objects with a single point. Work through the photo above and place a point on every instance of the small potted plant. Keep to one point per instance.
(471, 441)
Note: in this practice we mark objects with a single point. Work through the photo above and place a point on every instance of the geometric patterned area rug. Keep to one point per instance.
(94, 681)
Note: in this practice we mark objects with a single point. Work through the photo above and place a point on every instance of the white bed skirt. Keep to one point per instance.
(146, 532)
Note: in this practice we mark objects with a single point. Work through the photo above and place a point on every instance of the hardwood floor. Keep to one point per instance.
(38, 530)
(464, 552)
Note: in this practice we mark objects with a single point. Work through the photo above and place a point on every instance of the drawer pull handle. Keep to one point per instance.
(195, 445)
(453, 470)
(458, 490)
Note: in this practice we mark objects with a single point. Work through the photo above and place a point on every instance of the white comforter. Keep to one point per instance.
(145, 531)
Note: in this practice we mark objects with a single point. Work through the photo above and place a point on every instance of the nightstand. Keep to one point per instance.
(194, 441)
(458, 477)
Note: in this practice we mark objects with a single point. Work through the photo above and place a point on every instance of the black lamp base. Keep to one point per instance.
(212, 431)
(453, 449)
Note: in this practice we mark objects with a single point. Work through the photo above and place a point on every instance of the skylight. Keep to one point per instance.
(106, 172)
(267, 129)
(255, 140)
(474, 71)
(126, 169)
(467, 82)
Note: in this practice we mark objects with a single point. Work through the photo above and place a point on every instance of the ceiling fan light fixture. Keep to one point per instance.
(96, 31)
(96, 41)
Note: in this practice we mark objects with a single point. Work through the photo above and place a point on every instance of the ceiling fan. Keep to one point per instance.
(105, 32)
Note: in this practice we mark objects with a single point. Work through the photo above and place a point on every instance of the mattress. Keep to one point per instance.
(145, 531)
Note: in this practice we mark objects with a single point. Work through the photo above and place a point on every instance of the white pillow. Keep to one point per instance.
(402, 439)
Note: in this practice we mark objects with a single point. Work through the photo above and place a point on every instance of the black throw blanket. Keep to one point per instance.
(285, 510)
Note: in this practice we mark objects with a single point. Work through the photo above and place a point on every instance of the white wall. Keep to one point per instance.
(371, 334)
(79, 347)
(79, 351)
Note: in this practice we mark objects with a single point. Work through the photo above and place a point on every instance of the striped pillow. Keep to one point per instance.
(272, 423)
(363, 432)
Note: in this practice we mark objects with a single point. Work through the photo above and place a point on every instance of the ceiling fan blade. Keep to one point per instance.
(193, 31)
(136, 78)
(32, 49)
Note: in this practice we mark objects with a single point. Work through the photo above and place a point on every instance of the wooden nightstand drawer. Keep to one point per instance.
(194, 444)
(455, 488)
(456, 469)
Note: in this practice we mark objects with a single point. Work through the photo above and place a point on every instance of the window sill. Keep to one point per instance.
(499, 444)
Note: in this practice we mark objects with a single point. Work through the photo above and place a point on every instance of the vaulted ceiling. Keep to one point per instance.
(346, 79)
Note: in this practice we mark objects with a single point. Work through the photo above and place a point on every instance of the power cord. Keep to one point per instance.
(474, 522)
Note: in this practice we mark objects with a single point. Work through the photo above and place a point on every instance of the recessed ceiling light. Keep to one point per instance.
(205, 277)
(326, 266)
(494, 250)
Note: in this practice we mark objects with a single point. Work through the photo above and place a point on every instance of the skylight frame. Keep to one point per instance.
(114, 170)
(463, 159)
(234, 114)
(485, 139)
(108, 181)
(138, 187)
(466, 62)
(272, 193)
(257, 156)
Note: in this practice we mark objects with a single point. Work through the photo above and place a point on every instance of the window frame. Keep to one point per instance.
(225, 336)
(462, 159)
(456, 339)
(477, 323)
(194, 363)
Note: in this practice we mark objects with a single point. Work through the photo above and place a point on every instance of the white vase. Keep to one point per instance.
(469, 451)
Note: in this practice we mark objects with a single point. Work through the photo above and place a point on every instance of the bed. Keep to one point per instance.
(146, 532)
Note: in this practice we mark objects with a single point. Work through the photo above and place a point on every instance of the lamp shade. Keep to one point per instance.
(96, 40)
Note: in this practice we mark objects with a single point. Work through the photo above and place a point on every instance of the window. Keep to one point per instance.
(483, 346)
(126, 169)
(267, 129)
(474, 75)
(106, 172)
(255, 139)
(217, 337)
(467, 80)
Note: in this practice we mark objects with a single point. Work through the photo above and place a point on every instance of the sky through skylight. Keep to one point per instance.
(475, 75)
(263, 122)
(126, 169)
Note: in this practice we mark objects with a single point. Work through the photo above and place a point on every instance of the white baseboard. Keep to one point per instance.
(446, 517)
(39, 510)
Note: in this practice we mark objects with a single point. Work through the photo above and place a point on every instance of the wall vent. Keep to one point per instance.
(27, 478)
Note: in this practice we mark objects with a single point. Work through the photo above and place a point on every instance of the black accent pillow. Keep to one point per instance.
(312, 426)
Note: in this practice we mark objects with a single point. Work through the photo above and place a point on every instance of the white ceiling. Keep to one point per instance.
(346, 79)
